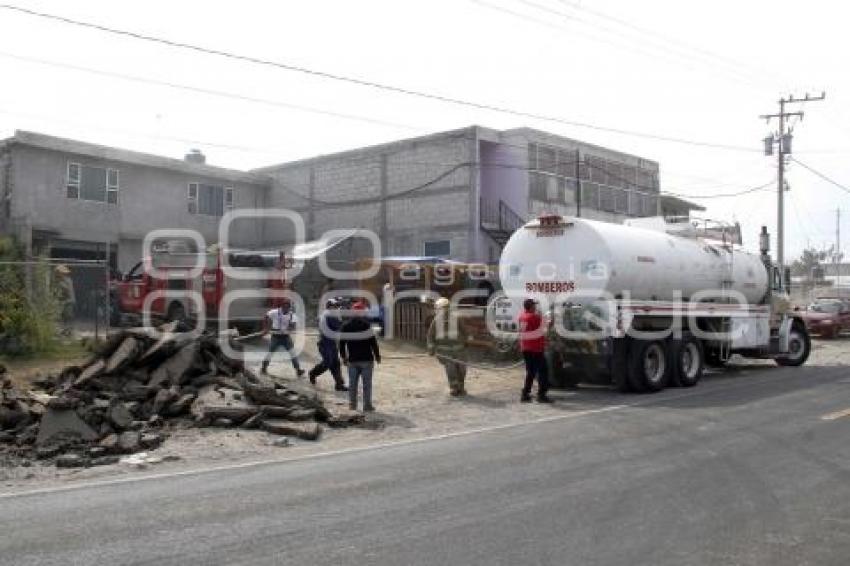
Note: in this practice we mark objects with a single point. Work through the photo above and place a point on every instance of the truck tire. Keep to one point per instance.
(176, 311)
(559, 376)
(687, 361)
(799, 347)
(649, 367)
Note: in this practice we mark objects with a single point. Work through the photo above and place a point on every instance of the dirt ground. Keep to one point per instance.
(412, 401)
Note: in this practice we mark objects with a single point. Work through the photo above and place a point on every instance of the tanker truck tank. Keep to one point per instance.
(581, 260)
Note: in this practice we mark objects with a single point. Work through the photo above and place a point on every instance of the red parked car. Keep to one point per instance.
(827, 317)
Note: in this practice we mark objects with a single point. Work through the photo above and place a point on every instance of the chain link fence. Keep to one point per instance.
(44, 299)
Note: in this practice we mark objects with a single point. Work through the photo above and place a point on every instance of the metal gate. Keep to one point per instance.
(411, 320)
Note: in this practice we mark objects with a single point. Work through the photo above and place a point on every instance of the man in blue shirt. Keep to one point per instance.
(329, 326)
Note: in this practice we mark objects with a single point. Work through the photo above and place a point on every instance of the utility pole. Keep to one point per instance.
(783, 138)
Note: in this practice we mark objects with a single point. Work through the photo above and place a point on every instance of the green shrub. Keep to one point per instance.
(27, 324)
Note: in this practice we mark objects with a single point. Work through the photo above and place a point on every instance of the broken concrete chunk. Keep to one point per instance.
(109, 443)
(213, 404)
(163, 398)
(129, 441)
(119, 415)
(92, 370)
(71, 461)
(135, 391)
(305, 431)
(176, 366)
(150, 440)
(301, 415)
(104, 460)
(45, 452)
(181, 405)
(63, 402)
(344, 419)
(65, 422)
(125, 353)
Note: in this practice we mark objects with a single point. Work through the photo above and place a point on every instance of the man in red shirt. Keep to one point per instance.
(532, 342)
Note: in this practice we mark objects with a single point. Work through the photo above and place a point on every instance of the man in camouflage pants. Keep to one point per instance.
(448, 348)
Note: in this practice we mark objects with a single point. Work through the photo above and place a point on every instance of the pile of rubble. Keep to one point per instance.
(140, 382)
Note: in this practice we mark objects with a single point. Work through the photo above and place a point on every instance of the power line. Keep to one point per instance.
(658, 48)
(844, 188)
(207, 91)
(367, 83)
(727, 195)
(746, 70)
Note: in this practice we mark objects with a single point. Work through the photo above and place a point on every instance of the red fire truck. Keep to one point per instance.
(176, 285)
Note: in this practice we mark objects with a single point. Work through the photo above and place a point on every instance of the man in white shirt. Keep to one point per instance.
(281, 322)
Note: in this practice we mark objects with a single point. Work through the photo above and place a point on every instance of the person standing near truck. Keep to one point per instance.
(532, 342)
(359, 349)
(448, 349)
(281, 322)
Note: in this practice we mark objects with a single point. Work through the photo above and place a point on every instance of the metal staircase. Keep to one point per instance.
(499, 220)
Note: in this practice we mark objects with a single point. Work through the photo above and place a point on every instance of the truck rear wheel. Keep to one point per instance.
(688, 361)
(176, 312)
(648, 369)
(799, 346)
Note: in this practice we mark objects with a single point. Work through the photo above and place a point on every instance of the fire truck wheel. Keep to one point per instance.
(176, 311)
(688, 361)
(649, 367)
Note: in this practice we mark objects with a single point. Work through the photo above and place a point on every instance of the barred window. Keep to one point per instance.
(537, 184)
(598, 172)
(546, 159)
(532, 156)
(606, 199)
(209, 200)
(567, 163)
(567, 188)
(85, 182)
(590, 195)
(621, 201)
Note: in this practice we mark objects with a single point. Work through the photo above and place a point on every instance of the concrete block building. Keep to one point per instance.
(456, 194)
(69, 199)
(460, 193)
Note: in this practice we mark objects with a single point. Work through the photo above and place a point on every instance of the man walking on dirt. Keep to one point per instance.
(448, 349)
(359, 349)
(281, 322)
(329, 327)
(532, 342)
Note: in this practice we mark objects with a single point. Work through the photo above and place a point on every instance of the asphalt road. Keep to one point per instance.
(748, 469)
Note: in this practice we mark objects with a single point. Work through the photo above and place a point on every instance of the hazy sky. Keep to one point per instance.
(697, 70)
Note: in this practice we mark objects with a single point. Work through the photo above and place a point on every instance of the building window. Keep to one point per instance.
(92, 183)
(209, 200)
(621, 199)
(112, 186)
(437, 248)
(606, 199)
(532, 156)
(228, 198)
(73, 181)
(192, 197)
(590, 195)
(537, 185)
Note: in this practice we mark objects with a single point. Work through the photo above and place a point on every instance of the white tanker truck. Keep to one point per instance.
(648, 303)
